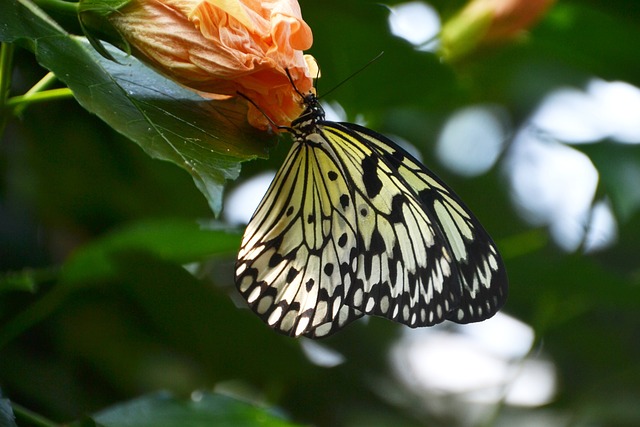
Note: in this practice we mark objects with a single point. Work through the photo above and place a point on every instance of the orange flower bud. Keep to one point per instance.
(221, 47)
(489, 21)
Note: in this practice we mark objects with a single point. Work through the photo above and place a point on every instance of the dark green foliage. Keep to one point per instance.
(97, 310)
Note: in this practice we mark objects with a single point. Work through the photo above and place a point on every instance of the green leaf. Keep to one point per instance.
(93, 17)
(207, 138)
(204, 409)
(102, 7)
(179, 241)
(568, 36)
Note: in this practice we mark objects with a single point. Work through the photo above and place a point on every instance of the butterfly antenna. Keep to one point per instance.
(355, 73)
(286, 70)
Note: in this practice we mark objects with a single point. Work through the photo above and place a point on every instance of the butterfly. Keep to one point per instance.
(352, 224)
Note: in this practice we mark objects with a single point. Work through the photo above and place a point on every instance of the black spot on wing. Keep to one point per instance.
(309, 285)
(428, 196)
(394, 158)
(344, 201)
(370, 178)
(397, 203)
(275, 259)
(292, 274)
(328, 269)
(377, 245)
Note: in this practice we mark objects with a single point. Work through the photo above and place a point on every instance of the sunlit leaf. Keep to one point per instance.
(204, 409)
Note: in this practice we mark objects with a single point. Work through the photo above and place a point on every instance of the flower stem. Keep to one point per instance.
(30, 416)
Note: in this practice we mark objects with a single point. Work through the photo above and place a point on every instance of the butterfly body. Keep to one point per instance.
(352, 225)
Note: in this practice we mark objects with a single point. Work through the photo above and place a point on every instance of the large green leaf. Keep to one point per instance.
(205, 409)
(207, 138)
(179, 241)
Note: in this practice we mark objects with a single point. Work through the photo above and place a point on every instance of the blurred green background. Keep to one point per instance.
(97, 307)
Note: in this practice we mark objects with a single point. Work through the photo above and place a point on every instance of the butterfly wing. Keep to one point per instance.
(353, 225)
(424, 256)
(295, 258)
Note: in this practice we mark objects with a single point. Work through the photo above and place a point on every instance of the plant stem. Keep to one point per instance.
(44, 82)
(6, 62)
(59, 5)
(22, 101)
(15, 105)
(33, 314)
(32, 417)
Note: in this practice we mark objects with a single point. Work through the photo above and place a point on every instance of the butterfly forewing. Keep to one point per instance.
(353, 225)
(480, 269)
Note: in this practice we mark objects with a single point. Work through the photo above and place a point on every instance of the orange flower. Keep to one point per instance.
(488, 22)
(221, 47)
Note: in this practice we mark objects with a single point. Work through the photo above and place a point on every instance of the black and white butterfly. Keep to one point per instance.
(352, 225)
